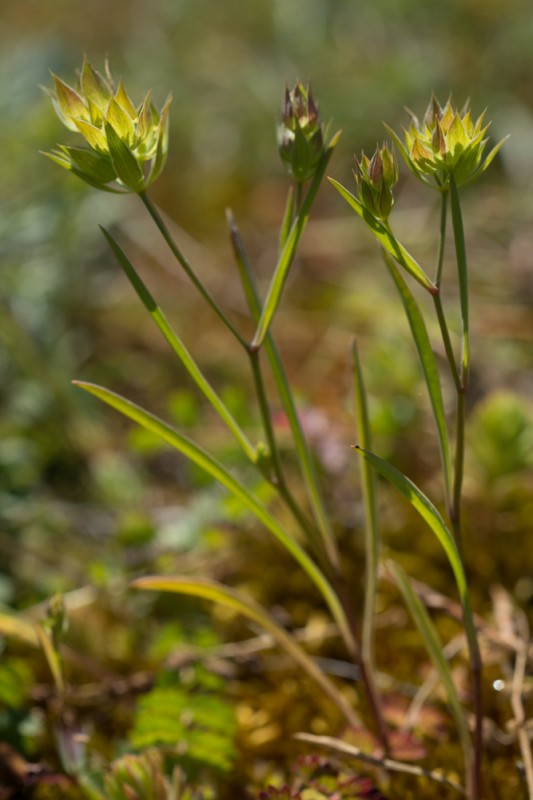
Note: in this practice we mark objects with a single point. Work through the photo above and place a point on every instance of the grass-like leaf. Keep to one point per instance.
(386, 239)
(303, 452)
(52, 657)
(435, 650)
(372, 543)
(430, 514)
(429, 368)
(215, 592)
(427, 511)
(289, 249)
(219, 472)
(178, 347)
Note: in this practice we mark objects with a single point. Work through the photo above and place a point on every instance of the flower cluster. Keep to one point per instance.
(446, 142)
(300, 133)
(127, 145)
(375, 178)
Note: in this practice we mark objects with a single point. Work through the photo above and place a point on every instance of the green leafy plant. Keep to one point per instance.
(126, 150)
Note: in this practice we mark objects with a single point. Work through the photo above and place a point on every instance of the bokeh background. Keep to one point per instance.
(86, 501)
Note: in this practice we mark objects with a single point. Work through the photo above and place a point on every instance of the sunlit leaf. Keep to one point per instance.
(435, 650)
(215, 592)
(428, 364)
(178, 347)
(386, 238)
(221, 474)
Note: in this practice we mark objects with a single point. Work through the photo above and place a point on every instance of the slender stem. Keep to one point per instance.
(459, 465)
(303, 452)
(286, 256)
(278, 478)
(163, 228)
(460, 250)
(437, 301)
(473, 645)
(298, 195)
(330, 553)
(442, 235)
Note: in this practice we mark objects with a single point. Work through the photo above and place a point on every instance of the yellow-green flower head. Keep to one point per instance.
(137, 778)
(446, 141)
(376, 178)
(127, 145)
(300, 133)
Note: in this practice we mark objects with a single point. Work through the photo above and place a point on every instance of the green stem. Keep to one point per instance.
(330, 553)
(475, 656)
(278, 478)
(303, 452)
(157, 218)
(288, 251)
(460, 251)
(445, 333)
(442, 235)
(437, 299)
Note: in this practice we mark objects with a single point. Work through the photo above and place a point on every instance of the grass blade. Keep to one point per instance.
(429, 368)
(215, 592)
(178, 347)
(434, 647)
(289, 249)
(303, 452)
(427, 511)
(386, 239)
(372, 544)
(219, 472)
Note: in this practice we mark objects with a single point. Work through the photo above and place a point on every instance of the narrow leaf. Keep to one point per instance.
(462, 270)
(288, 252)
(14, 625)
(372, 543)
(429, 367)
(219, 472)
(178, 347)
(386, 238)
(427, 511)
(303, 452)
(287, 219)
(215, 592)
(52, 657)
(435, 650)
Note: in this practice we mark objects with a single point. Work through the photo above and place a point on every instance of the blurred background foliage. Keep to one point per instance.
(85, 500)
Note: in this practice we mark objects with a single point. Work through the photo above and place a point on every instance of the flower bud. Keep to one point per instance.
(127, 145)
(446, 141)
(375, 179)
(300, 133)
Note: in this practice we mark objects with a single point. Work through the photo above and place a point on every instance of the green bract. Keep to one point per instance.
(446, 141)
(127, 145)
(376, 178)
(300, 133)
